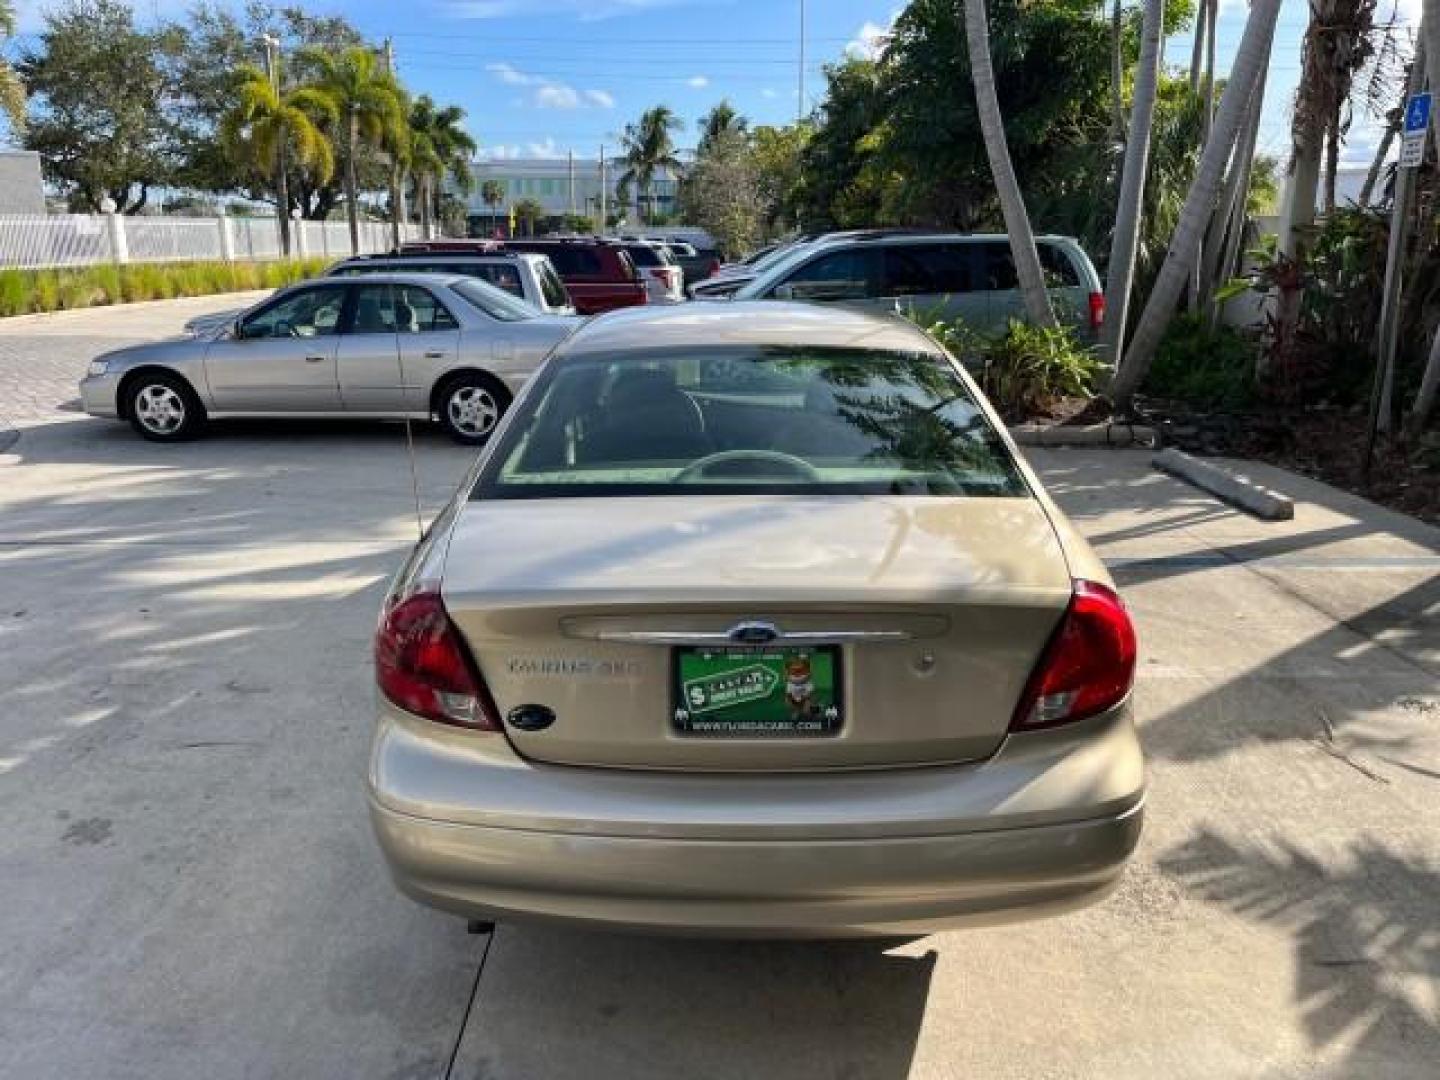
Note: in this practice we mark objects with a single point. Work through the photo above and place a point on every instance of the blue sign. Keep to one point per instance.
(1417, 114)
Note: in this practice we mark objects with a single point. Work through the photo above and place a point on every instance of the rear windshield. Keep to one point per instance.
(494, 302)
(750, 420)
(644, 255)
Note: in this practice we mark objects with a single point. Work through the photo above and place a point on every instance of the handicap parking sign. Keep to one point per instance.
(1417, 113)
(1417, 123)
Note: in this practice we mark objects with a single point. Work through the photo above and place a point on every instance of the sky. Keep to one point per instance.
(538, 78)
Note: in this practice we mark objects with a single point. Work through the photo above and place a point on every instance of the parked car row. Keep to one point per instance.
(448, 329)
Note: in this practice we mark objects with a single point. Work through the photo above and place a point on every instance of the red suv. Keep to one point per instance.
(599, 275)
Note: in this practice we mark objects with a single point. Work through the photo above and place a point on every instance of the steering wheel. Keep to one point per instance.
(698, 467)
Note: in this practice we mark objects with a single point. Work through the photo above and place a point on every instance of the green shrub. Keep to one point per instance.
(1031, 367)
(46, 292)
(1202, 367)
(24, 291)
(1024, 371)
(14, 292)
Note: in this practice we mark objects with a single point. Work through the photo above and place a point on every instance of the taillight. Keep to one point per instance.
(422, 666)
(1088, 665)
(713, 269)
(1097, 310)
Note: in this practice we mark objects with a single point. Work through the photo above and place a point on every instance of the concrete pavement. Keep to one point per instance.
(190, 888)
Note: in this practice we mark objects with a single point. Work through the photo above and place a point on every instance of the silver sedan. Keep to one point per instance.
(388, 346)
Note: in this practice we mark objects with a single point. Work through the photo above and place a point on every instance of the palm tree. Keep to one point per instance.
(1012, 203)
(528, 212)
(368, 101)
(12, 91)
(1120, 274)
(397, 140)
(720, 121)
(647, 147)
(1251, 57)
(492, 194)
(443, 148)
(268, 127)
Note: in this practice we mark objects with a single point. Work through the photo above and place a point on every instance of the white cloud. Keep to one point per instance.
(870, 40)
(508, 73)
(557, 96)
(550, 93)
(769, 93)
(512, 151)
(699, 82)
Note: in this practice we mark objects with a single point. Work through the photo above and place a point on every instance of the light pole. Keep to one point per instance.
(282, 183)
(800, 80)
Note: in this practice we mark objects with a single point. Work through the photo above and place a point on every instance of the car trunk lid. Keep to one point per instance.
(932, 611)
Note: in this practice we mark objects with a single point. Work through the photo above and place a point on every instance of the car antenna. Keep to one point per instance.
(414, 478)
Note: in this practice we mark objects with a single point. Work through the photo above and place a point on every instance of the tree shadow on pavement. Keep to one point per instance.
(633, 1008)
(1365, 933)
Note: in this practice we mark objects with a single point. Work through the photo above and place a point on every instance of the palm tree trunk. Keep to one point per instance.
(1197, 48)
(1307, 138)
(395, 183)
(422, 196)
(1250, 58)
(1332, 164)
(352, 210)
(1120, 273)
(1367, 190)
(282, 197)
(1429, 388)
(1012, 203)
(1195, 295)
(1236, 198)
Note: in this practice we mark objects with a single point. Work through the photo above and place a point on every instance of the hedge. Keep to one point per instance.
(25, 291)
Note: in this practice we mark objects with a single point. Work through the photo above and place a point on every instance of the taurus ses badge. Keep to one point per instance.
(753, 633)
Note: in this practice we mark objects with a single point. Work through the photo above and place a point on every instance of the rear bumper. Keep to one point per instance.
(1044, 826)
(792, 888)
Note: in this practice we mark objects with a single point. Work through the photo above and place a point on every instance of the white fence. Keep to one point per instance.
(52, 240)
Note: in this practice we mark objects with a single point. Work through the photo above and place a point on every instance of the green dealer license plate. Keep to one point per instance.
(758, 691)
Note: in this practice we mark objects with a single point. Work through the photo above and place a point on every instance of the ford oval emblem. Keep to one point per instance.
(753, 633)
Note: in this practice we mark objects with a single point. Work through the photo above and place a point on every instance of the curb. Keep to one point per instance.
(1091, 435)
(1238, 491)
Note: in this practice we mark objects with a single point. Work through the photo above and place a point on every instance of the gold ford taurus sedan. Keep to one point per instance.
(750, 621)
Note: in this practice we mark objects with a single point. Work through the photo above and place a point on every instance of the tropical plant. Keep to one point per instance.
(12, 90)
(1024, 371)
(442, 148)
(271, 128)
(1007, 187)
(529, 213)
(1251, 56)
(103, 130)
(370, 105)
(647, 147)
(719, 122)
